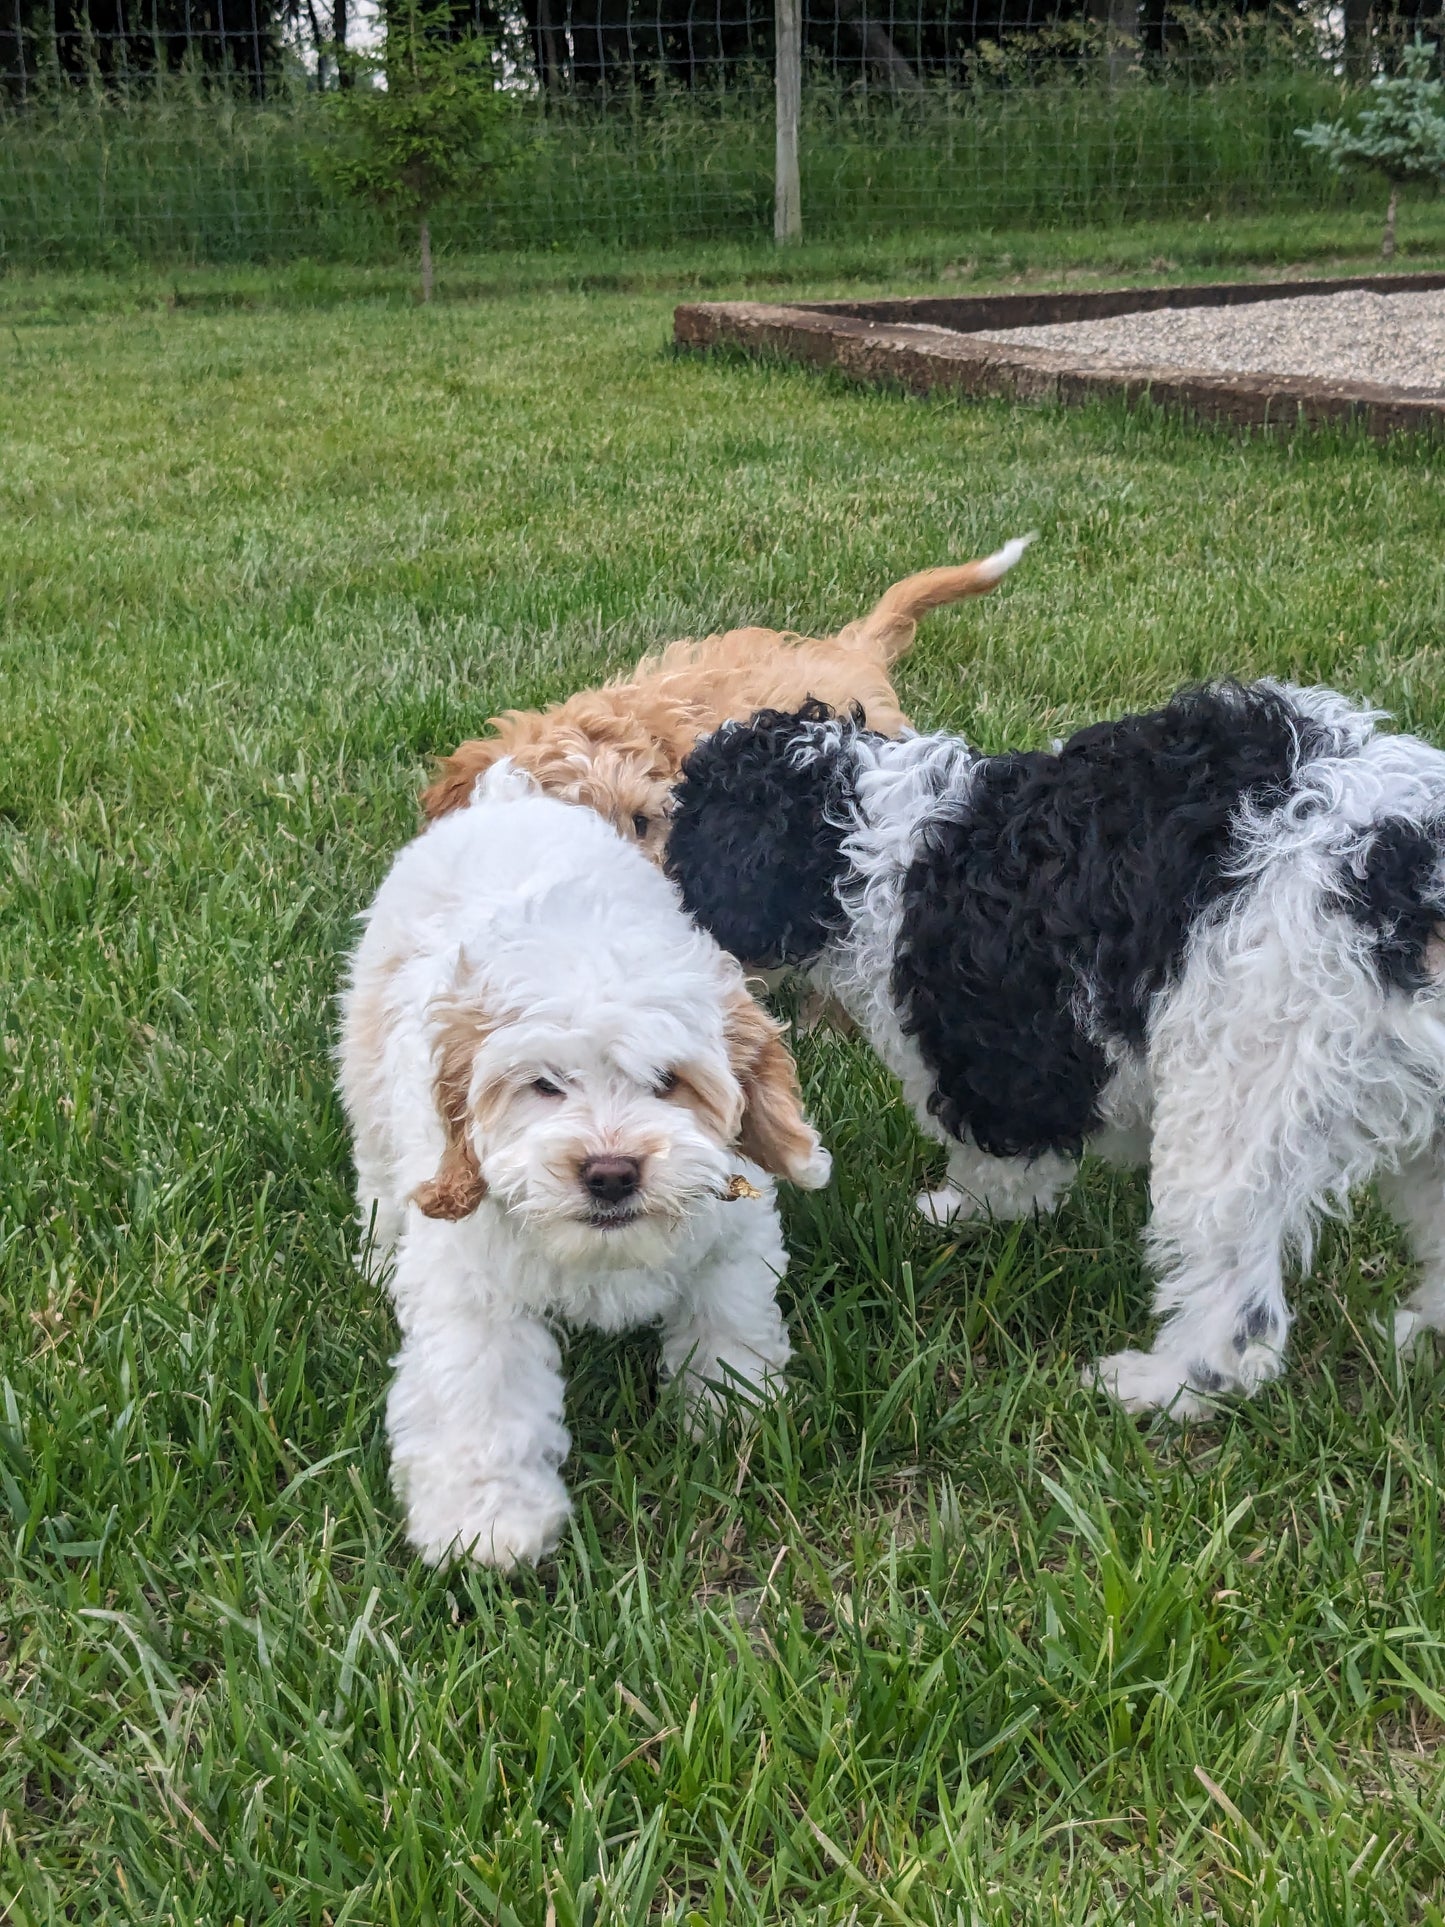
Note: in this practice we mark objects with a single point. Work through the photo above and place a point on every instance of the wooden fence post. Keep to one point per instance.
(787, 197)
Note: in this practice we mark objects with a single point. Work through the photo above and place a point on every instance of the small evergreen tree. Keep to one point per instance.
(1402, 136)
(423, 118)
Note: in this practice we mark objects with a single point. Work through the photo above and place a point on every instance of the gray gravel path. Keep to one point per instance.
(1396, 339)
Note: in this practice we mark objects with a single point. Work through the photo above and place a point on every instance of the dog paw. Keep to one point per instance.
(1148, 1382)
(730, 1385)
(813, 1172)
(500, 1523)
(1256, 1366)
(945, 1206)
(1003, 1205)
(1408, 1328)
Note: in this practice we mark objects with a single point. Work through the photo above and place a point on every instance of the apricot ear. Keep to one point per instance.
(456, 1190)
(458, 1187)
(456, 775)
(775, 1133)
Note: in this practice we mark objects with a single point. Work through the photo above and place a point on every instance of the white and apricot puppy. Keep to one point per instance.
(566, 1110)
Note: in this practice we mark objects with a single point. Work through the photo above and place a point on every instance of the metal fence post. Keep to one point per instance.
(787, 196)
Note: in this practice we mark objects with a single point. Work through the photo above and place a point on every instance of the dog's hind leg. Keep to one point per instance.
(1416, 1196)
(1234, 1189)
(1274, 1093)
(1249, 1151)
(1224, 1329)
(980, 1186)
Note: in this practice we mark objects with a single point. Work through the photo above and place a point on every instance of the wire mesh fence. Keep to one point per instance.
(185, 129)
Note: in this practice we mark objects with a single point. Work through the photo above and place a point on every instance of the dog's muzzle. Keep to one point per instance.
(612, 1185)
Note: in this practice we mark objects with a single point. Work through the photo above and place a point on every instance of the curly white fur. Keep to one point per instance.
(1279, 1072)
(1284, 1075)
(526, 970)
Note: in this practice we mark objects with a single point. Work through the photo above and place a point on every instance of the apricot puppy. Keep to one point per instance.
(619, 749)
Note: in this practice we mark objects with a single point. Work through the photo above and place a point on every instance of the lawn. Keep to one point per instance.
(945, 1638)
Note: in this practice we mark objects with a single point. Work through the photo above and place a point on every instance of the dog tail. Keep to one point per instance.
(888, 631)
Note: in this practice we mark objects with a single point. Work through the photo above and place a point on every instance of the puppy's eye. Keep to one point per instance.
(667, 1083)
(544, 1087)
(640, 826)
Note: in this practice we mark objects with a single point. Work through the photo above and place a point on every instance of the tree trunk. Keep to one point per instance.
(426, 275)
(1387, 245)
(547, 34)
(344, 75)
(1357, 41)
(318, 42)
(879, 48)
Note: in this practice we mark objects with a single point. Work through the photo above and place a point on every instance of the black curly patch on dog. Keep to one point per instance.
(1394, 889)
(756, 837)
(1073, 879)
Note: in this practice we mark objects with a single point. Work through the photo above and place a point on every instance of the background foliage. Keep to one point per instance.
(134, 142)
(1401, 134)
(420, 119)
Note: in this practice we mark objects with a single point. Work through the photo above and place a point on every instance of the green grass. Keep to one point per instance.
(186, 175)
(1341, 241)
(950, 1641)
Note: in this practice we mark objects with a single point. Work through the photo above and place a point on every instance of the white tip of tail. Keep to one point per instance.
(994, 568)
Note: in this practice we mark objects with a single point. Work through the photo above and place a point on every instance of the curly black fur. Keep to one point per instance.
(756, 837)
(1066, 893)
(1394, 890)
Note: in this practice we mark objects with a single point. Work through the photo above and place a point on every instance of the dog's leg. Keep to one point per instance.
(820, 1010)
(474, 1416)
(379, 1217)
(1257, 1134)
(1283, 1072)
(1277, 1077)
(815, 1006)
(1225, 1322)
(1003, 1188)
(1235, 1183)
(1416, 1195)
(726, 1331)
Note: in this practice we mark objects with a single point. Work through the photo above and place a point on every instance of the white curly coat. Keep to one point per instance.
(528, 996)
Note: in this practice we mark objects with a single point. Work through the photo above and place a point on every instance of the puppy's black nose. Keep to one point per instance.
(610, 1180)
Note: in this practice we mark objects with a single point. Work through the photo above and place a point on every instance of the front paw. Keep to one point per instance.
(813, 1172)
(1148, 1382)
(945, 1206)
(1409, 1327)
(730, 1387)
(493, 1522)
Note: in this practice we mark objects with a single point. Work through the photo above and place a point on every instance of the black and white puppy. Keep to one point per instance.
(1211, 939)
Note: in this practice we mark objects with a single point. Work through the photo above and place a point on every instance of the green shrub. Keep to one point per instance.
(423, 120)
(1402, 136)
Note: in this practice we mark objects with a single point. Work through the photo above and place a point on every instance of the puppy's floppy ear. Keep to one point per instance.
(756, 839)
(774, 1132)
(458, 1187)
(456, 775)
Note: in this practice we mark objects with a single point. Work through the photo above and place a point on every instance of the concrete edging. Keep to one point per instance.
(923, 344)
